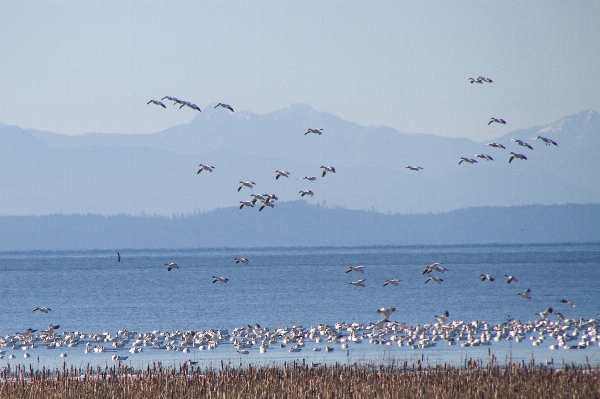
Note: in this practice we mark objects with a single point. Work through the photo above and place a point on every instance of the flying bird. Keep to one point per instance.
(547, 141)
(496, 145)
(478, 80)
(43, 310)
(205, 167)
(386, 311)
(484, 79)
(360, 269)
(500, 121)
(510, 279)
(306, 192)
(157, 103)
(265, 204)
(435, 279)
(434, 267)
(171, 266)
(327, 169)
(484, 156)
(522, 143)
(280, 173)
(468, 160)
(358, 283)
(246, 203)
(515, 155)
(246, 184)
(442, 318)
(241, 260)
(227, 106)
(311, 178)
(391, 282)
(219, 279)
(568, 302)
(545, 313)
(312, 130)
(487, 277)
(415, 168)
(526, 294)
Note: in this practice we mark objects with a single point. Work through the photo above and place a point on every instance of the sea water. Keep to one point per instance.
(90, 291)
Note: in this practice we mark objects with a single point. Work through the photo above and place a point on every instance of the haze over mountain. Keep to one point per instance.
(47, 173)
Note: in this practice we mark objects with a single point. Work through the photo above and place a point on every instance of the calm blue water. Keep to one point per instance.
(89, 291)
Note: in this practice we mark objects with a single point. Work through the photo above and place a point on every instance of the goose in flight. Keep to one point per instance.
(545, 313)
(270, 197)
(174, 99)
(478, 80)
(43, 310)
(157, 103)
(171, 266)
(435, 279)
(497, 120)
(241, 260)
(313, 130)
(415, 168)
(360, 269)
(434, 267)
(205, 167)
(510, 279)
(219, 279)
(522, 143)
(496, 145)
(358, 283)
(265, 204)
(526, 294)
(311, 178)
(246, 184)
(386, 312)
(515, 155)
(189, 104)
(568, 302)
(257, 197)
(279, 173)
(227, 106)
(469, 160)
(442, 318)
(484, 156)
(484, 79)
(391, 282)
(246, 203)
(547, 141)
(487, 277)
(327, 169)
(306, 192)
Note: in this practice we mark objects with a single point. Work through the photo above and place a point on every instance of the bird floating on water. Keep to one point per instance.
(226, 106)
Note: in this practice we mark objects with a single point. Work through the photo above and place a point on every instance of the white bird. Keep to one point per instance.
(157, 103)
(241, 260)
(515, 155)
(386, 311)
(496, 145)
(484, 79)
(205, 167)
(171, 266)
(243, 352)
(510, 279)
(117, 357)
(484, 156)
(522, 143)
(227, 106)
(311, 178)
(435, 279)
(434, 267)
(442, 319)
(219, 279)
(526, 294)
(327, 169)
(415, 168)
(312, 130)
(547, 141)
(246, 203)
(358, 283)
(246, 184)
(43, 310)
(469, 160)
(360, 269)
(306, 192)
(545, 313)
(63, 355)
(174, 99)
(500, 121)
(264, 204)
(478, 80)
(487, 277)
(392, 282)
(279, 173)
(568, 302)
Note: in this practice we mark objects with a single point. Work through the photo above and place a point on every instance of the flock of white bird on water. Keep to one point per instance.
(566, 333)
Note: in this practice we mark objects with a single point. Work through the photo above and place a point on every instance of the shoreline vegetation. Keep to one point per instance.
(301, 380)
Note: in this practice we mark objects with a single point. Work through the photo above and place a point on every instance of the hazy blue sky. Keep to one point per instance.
(81, 66)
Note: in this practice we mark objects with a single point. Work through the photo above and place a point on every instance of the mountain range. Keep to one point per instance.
(43, 173)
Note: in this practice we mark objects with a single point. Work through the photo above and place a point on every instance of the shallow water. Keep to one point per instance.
(281, 287)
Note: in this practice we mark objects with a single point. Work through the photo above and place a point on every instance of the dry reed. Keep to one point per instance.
(298, 380)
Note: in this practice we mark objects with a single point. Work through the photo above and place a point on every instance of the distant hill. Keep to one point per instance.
(46, 173)
(298, 223)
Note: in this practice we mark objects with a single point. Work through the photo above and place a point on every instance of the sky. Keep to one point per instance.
(75, 67)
